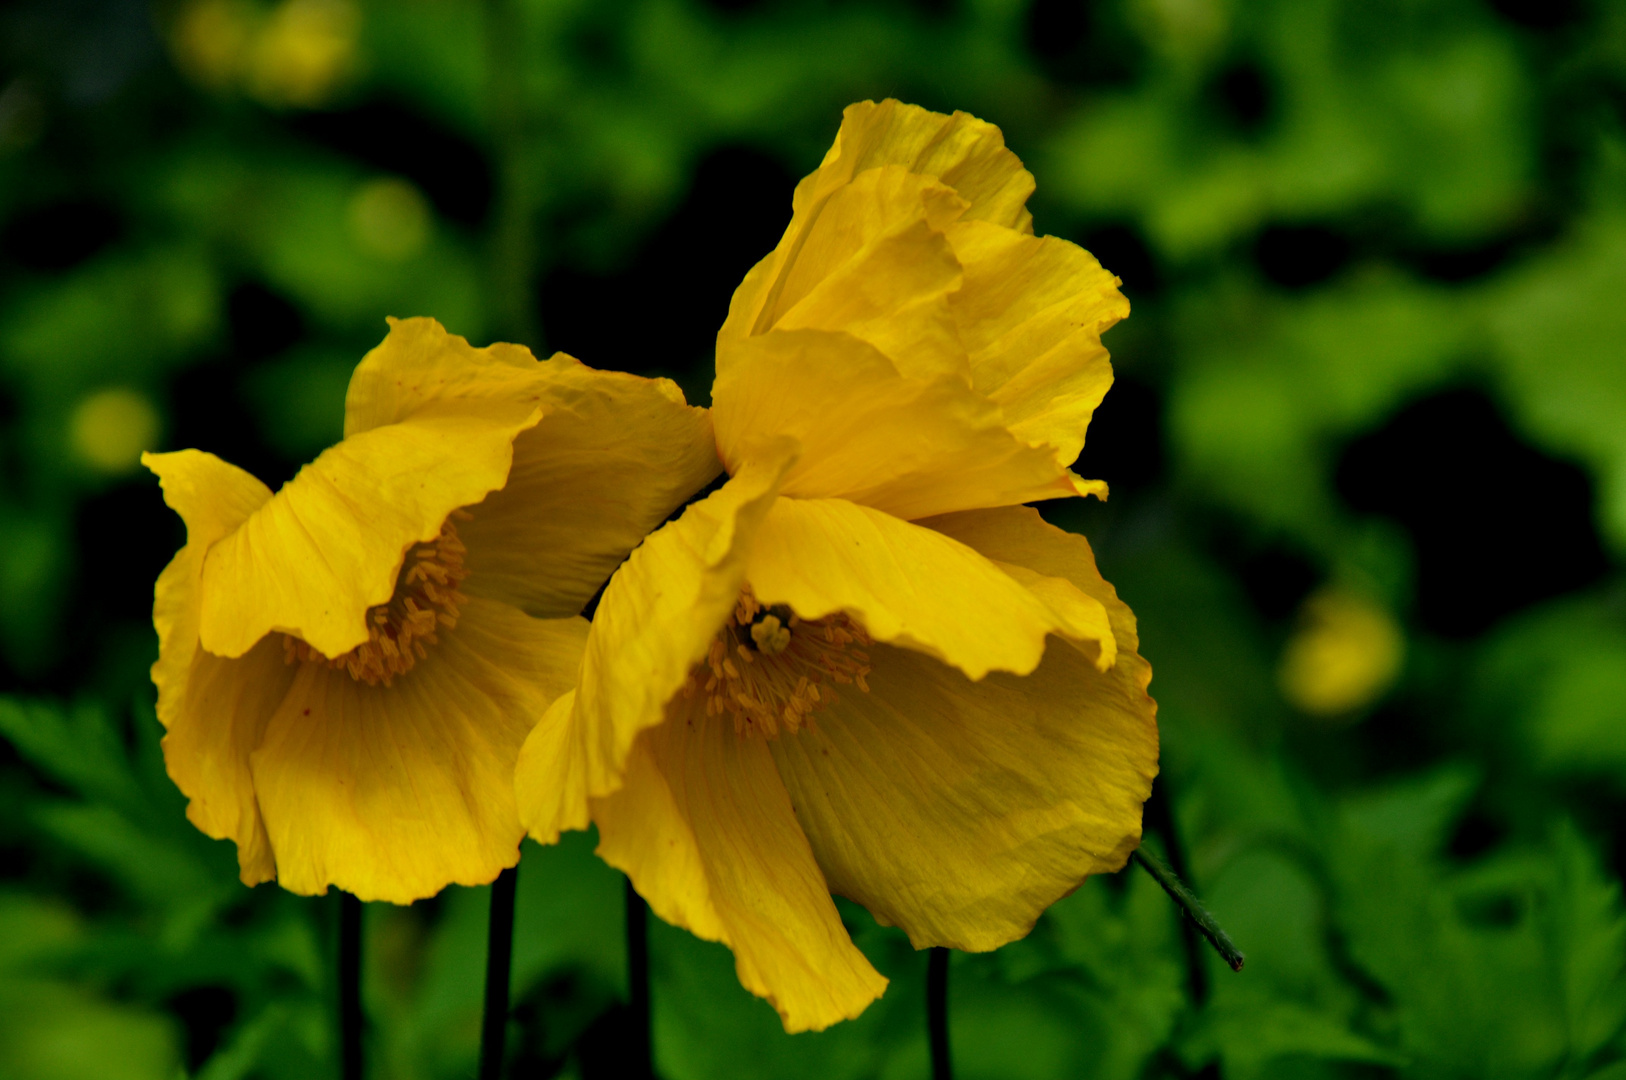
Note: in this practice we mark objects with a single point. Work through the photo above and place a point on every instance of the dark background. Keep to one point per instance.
(1367, 451)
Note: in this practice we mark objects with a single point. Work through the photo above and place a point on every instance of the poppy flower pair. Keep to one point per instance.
(859, 666)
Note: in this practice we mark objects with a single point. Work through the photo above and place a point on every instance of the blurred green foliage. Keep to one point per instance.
(1376, 250)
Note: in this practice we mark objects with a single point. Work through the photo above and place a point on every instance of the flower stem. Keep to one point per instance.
(640, 1053)
(1160, 819)
(937, 1012)
(350, 1019)
(499, 962)
(1193, 907)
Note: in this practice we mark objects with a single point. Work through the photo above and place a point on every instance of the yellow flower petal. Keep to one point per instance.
(1019, 536)
(960, 810)
(419, 365)
(964, 154)
(392, 792)
(213, 498)
(706, 832)
(219, 712)
(1031, 313)
(613, 455)
(654, 622)
(967, 154)
(873, 263)
(328, 546)
(909, 447)
(913, 587)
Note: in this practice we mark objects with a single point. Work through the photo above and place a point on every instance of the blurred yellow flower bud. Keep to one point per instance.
(210, 38)
(1345, 654)
(389, 218)
(110, 428)
(303, 51)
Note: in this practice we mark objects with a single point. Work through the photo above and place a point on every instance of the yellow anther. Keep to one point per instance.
(785, 670)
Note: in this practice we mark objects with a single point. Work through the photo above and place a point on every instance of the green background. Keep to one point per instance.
(1376, 251)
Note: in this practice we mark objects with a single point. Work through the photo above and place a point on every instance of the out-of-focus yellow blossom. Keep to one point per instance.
(389, 218)
(1346, 652)
(347, 668)
(861, 666)
(296, 53)
(110, 428)
(211, 37)
(304, 50)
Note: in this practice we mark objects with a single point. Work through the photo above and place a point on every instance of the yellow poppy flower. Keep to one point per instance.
(860, 665)
(347, 668)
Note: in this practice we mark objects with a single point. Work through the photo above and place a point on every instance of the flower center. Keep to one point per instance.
(770, 669)
(425, 599)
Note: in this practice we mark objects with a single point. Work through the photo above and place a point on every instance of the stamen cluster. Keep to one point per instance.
(426, 598)
(770, 669)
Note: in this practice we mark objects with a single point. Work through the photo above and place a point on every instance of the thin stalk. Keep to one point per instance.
(1193, 907)
(499, 962)
(1160, 819)
(937, 1013)
(640, 1053)
(513, 244)
(350, 1018)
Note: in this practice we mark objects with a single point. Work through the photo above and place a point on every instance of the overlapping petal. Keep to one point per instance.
(219, 715)
(328, 546)
(391, 792)
(960, 152)
(419, 365)
(914, 587)
(960, 810)
(212, 498)
(613, 455)
(875, 264)
(1019, 536)
(1031, 314)
(704, 828)
(910, 447)
(654, 622)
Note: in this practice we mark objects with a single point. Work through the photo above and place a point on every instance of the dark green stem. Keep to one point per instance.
(937, 1013)
(640, 1054)
(1193, 907)
(1160, 819)
(513, 243)
(350, 1018)
(499, 963)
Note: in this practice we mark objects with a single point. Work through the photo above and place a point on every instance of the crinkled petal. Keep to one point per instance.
(960, 810)
(612, 457)
(328, 546)
(1031, 314)
(213, 498)
(393, 792)
(910, 447)
(419, 365)
(874, 263)
(218, 717)
(704, 829)
(963, 153)
(913, 587)
(655, 621)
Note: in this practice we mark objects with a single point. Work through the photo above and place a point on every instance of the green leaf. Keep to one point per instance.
(1588, 928)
